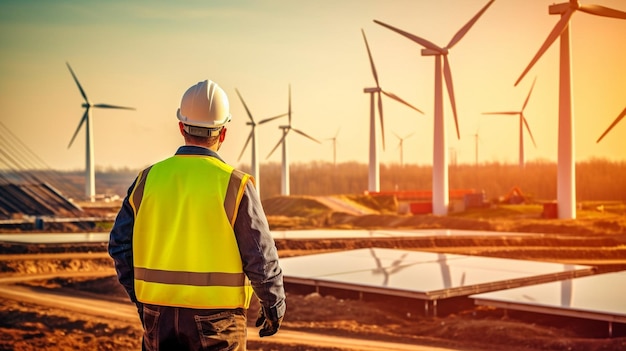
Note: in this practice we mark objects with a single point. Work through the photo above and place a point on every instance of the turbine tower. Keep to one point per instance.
(90, 182)
(284, 183)
(566, 171)
(476, 141)
(254, 165)
(401, 146)
(522, 123)
(374, 163)
(440, 158)
(619, 118)
(334, 140)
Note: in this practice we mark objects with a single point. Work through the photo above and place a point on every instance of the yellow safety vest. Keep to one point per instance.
(184, 249)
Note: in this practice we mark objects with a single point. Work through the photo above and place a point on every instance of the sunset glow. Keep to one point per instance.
(132, 54)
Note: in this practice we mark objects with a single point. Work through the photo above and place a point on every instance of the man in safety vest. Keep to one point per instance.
(191, 242)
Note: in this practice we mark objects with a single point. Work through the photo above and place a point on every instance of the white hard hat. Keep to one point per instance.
(204, 105)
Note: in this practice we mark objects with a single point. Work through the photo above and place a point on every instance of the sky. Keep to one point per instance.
(145, 54)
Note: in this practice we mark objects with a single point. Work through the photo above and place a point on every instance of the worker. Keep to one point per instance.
(191, 242)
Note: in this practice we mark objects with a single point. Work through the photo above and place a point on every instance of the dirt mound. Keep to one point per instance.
(294, 206)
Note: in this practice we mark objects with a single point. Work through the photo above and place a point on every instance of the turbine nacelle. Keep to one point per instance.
(557, 9)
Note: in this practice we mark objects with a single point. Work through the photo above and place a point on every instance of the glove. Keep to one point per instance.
(270, 325)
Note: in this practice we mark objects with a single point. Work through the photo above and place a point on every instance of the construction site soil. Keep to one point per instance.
(459, 324)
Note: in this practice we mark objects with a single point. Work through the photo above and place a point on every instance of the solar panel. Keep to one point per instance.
(599, 297)
(422, 275)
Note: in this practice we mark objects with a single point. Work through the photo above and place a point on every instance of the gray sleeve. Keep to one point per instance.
(121, 245)
(258, 253)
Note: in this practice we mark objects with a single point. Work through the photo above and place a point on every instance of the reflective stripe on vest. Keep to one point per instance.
(190, 278)
(185, 251)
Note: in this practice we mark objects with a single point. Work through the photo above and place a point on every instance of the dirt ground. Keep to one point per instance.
(459, 324)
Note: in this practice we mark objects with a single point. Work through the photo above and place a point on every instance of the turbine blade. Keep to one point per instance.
(448, 76)
(277, 144)
(528, 97)
(528, 129)
(602, 11)
(272, 118)
(461, 33)
(306, 135)
(423, 42)
(380, 116)
(619, 118)
(245, 106)
(245, 145)
(396, 134)
(369, 54)
(397, 98)
(555, 33)
(80, 124)
(82, 92)
(113, 106)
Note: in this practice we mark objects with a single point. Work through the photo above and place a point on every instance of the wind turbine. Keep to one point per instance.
(374, 165)
(440, 161)
(90, 182)
(254, 165)
(476, 141)
(401, 146)
(566, 171)
(522, 123)
(619, 118)
(284, 190)
(334, 140)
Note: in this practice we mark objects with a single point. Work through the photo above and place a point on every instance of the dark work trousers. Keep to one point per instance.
(174, 328)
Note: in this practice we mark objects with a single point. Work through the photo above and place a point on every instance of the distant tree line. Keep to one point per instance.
(596, 179)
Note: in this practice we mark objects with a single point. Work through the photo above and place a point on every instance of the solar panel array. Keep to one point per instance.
(553, 288)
